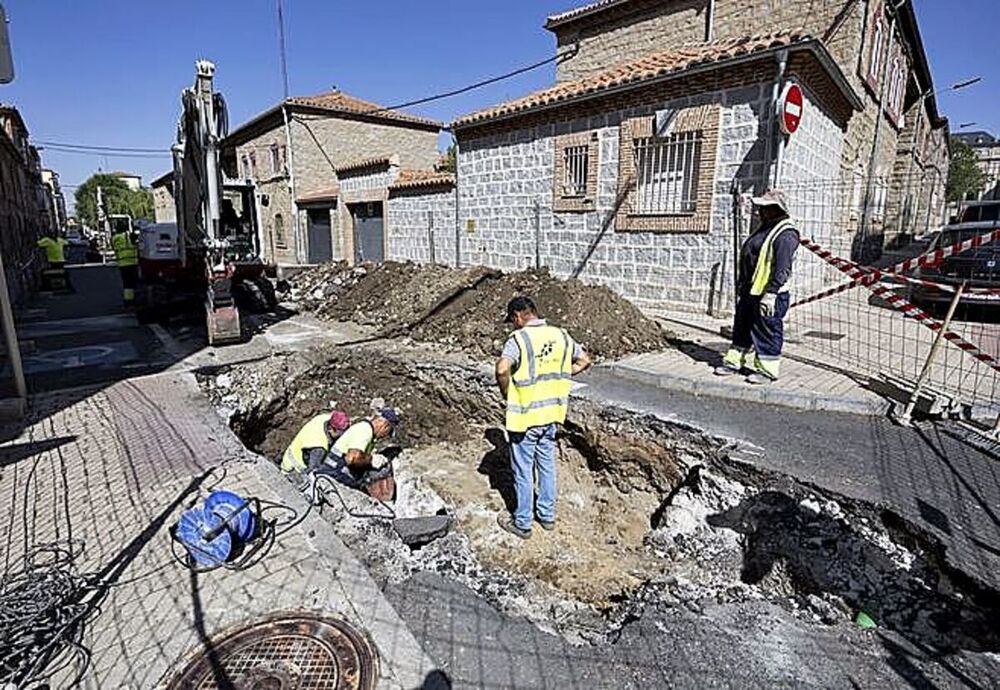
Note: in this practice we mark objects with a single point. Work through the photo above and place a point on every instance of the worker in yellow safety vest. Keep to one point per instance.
(55, 250)
(763, 293)
(534, 374)
(127, 258)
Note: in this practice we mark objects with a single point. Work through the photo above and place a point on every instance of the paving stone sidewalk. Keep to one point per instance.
(114, 468)
(699, 346)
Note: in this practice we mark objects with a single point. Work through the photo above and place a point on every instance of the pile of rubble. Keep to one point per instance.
(464, 308)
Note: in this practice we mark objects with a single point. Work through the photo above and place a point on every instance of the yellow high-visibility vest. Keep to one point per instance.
(765, 260)
(312, 435)
(539, 390)
(54, 249)
(126, 253)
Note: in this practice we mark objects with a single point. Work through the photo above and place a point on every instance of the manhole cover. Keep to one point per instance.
(283, 652)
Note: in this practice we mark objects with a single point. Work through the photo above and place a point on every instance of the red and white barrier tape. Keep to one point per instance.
(901, 303)
(869, 276)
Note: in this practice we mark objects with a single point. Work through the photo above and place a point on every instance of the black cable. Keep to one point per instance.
(89, 147)
(55, 149)
(466, 89)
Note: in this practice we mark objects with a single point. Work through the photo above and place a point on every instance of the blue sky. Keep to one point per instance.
(109, 72)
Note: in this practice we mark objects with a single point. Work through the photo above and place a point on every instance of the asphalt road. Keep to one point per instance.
(939, 483)
(86, 336)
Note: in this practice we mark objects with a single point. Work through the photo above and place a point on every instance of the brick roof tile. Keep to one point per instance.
(651, 66)
(338, 101)
(412, 179)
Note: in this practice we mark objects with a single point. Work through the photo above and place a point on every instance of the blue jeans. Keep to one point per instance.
(533, 448)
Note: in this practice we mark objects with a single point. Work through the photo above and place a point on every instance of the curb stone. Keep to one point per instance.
(766, 394)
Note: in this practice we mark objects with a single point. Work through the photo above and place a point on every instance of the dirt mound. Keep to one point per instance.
(464, 308)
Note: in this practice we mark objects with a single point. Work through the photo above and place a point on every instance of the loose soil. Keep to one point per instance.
(464, 308)
(649, 511)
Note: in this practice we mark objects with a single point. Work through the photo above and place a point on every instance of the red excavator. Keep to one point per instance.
(212, 256)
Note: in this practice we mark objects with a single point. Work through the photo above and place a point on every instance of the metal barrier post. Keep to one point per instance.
(430, 236)
(10, 336)
(906, 418)
(538, 235)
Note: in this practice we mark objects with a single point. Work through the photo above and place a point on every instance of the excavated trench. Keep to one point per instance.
(650, 511)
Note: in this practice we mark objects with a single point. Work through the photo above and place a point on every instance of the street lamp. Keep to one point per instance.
(908, 197)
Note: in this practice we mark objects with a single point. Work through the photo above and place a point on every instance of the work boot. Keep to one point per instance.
(547, 526)
(506, 523)
(725, 370)
(759, 379)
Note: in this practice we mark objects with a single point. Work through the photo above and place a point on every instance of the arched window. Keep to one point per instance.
(279, 230)
(875, 58)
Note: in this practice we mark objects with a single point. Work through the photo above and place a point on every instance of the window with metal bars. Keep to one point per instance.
(667, 171)
(576, 165)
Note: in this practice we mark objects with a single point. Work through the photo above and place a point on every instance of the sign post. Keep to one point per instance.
(788, 112)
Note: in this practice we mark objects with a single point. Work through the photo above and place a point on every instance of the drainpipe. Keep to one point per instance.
(710, 21)
(776, 132)
(300, 254)
(458, 212)
(879, 116)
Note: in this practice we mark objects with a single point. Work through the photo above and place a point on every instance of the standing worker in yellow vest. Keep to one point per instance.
(763, 295)
(55, 250)
(127, 258)
(533, 373)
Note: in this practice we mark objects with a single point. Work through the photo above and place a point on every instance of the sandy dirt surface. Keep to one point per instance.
(464, 308)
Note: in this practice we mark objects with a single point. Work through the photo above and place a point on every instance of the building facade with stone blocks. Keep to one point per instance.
(384, 211)
(626, 177)
(24, 205)
(292, 152)
(880, 52)
(422, 218)
(987, 150)
(164, 203)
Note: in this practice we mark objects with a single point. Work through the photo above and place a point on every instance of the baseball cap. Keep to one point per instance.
(774, 197)
(390, 415)
(519, 303)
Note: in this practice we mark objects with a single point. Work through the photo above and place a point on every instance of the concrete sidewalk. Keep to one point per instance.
(699, 346)
(113, 469)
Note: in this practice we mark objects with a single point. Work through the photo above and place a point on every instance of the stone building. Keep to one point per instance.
(164, 207)
(987, 149)
(131, 180)
(23, 209)
(296, 170)
(55, 200)
(624, 172)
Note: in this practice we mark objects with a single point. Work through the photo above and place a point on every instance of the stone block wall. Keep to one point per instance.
(506, 185)
(418, 219)
(281, 247)
(350, 140)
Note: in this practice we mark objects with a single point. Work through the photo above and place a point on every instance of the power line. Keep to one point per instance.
(88, 147)
(56, 149)
(470, 87)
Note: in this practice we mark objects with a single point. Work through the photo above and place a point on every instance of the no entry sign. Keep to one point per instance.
(790, 107)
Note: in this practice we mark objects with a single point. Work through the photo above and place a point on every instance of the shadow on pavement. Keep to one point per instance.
(75, 344)
(16, 452)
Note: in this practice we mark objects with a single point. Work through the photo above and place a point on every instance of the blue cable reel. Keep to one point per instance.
(217, 531)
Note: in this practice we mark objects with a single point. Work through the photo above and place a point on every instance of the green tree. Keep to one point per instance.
(449, 161)
(118, 198)
(965, 177)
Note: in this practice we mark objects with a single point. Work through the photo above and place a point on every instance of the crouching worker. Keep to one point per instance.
(346, 454)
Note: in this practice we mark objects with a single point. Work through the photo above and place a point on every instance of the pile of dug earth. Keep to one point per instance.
(464, 308)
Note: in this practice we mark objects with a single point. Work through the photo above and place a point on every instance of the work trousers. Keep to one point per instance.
(534, 449)
(764, 336)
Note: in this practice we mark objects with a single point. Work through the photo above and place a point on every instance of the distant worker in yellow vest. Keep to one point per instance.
(55, 250)
(763, 293)
(534, 373)
(127, 258)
